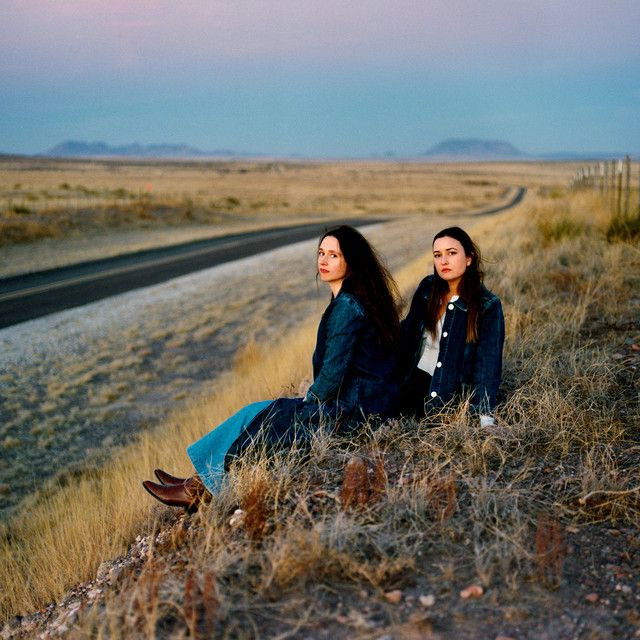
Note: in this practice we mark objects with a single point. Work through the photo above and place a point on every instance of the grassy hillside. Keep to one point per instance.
(539, 514)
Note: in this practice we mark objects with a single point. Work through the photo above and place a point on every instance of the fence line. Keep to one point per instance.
(614, 180)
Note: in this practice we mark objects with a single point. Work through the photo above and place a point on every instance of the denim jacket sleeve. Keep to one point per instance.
(487, 366)
(343, 327)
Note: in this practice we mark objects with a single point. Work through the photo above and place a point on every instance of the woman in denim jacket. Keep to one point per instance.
(453, 333)
(354, 369)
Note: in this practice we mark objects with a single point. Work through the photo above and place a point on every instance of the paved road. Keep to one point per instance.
(519, 194)
(38, 294)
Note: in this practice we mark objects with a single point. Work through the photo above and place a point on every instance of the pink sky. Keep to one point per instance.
(89, 35)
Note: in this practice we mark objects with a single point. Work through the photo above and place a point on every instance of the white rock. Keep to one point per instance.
(103, 571)
(237, 519)
(428, 601)
(115, 573)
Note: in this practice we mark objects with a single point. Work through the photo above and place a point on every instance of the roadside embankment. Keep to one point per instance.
(522, 512)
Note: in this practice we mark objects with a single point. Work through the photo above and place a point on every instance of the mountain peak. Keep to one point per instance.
(474, 148)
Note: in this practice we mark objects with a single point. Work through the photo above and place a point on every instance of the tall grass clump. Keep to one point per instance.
(624, 228)
(437, 503)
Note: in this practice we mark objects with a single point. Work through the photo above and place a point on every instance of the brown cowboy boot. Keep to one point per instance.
(188, 495)
(167, 478)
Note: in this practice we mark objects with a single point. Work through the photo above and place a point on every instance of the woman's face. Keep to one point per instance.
(332, 266)
(450, 260)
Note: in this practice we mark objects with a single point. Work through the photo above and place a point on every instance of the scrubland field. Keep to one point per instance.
(70, 206)
(538, 516)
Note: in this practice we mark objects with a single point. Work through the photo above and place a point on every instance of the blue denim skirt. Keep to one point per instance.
(208, 453)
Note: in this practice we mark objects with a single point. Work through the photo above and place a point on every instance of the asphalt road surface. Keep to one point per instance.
(33, 295)
(38, 294)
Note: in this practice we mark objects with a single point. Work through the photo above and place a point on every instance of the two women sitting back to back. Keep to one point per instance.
(366, 362)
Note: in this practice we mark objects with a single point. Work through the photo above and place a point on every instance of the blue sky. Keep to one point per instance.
(321, 78)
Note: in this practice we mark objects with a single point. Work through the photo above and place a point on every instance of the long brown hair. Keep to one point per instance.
(470, 286)
(370, 281)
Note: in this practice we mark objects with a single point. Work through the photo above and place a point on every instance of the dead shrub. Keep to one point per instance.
(441, 495)
(254, 505)
(550, 550)
(364, 482)
(200, 604)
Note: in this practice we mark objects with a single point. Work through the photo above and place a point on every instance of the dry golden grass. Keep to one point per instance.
(42, 198)
(99, 507)
(460, 504)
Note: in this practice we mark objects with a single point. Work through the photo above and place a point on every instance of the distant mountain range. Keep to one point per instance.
(452, 149)
(76, 148)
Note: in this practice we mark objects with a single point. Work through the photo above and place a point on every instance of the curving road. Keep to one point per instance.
(38, 294)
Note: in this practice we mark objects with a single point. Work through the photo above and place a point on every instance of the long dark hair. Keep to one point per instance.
(470, 288)
(370, 281)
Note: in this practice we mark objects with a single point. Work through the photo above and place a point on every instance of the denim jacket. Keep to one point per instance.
(352, 370)
(463, 367)
(354, 376)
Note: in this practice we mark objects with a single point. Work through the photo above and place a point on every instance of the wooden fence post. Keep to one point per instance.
(619, 198)
(627, 184)
(613, 186)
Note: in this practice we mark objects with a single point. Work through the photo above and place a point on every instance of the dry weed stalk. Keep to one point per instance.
(254, 505)
(550, 550)
(200, 604)
(441, 495)
(143, 610)
(613, 505)
(364, 482)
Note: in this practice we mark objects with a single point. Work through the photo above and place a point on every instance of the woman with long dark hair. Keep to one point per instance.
(453, 333)
(354, 370)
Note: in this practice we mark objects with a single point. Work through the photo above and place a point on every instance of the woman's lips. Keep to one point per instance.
(324, 270)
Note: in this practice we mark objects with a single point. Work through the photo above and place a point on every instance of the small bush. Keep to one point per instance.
(22, 210)
(25, 231)
(560, 228)
(623, 228)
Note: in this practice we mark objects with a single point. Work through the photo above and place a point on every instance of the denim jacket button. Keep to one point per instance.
(445, 334)
(433, 394)
(450, 306)
(439, 364)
